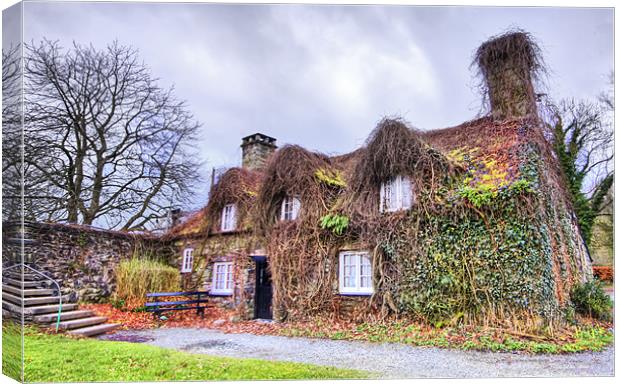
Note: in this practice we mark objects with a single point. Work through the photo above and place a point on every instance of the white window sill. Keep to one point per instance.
(356, 293)
(220, 293)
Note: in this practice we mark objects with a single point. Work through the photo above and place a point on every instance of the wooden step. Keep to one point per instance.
(94, 330)
(42, 309)
(22, 284)
(28, 292)
(68, 315)
(81, 323)
(29, 301)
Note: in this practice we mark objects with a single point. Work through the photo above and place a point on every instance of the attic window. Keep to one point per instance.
(290, 208)
(229, 217)
(188, 260)
(396, 194)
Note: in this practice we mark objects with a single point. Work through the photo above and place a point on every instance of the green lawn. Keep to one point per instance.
(58, 358)
(11, 349)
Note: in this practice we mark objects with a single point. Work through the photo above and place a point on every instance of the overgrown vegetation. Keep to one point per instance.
(137, 276)
(575, 339)
(330, 177)
(489, 238)
(509, 65)
(591, 300)
(51, 358)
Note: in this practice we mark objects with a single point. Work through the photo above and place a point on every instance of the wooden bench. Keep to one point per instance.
(196, 298)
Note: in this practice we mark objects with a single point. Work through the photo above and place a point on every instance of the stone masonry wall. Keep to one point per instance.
(83, 259)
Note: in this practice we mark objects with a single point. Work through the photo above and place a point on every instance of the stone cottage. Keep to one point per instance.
(463, 224)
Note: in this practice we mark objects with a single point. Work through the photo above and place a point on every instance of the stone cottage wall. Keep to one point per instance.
(221, 248)
(83, 259)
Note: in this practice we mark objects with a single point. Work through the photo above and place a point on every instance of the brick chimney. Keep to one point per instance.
(509, 64)
(256, 149)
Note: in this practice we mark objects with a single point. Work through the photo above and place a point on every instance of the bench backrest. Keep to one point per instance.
(164, 294)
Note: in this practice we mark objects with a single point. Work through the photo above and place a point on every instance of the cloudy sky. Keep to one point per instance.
(322, 76)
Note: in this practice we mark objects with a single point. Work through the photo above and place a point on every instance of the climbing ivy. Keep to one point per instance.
(335, 223)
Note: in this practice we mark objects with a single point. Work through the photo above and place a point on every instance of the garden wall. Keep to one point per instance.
(83, 259)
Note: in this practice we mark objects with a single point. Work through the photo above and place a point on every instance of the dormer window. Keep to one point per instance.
(396, 194)
(229, 217)
(290, 208)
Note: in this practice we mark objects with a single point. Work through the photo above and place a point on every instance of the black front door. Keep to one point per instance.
(262, 300)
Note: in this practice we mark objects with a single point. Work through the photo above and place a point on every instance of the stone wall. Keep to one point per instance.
(231, 247)
(83, 259)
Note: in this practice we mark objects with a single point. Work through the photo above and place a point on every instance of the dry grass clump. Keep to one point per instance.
(508, 65)
(236, 186)
(136, 277)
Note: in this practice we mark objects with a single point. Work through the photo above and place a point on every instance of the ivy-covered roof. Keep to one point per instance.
(488, 151)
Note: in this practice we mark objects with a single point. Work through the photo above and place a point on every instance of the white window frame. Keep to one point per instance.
(358, 256)
(229, 218)
(228, 279)
(396, 194)
(290, 208)
(187, 264)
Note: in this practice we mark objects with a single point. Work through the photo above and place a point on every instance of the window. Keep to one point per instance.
(290, 208)
(188, 260)
(229, 217)
(222, 278)
(396, 194)
(355, 273)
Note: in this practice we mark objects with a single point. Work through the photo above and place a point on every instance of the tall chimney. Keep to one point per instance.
(255, 150)
(509, 64)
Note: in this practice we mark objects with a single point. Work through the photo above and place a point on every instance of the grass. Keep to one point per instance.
(53, 358)
(576, 339)
(11, 349)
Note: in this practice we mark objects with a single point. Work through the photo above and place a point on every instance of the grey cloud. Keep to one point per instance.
(322, 76)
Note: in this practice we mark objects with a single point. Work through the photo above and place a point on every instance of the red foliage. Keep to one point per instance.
(128, 319)
(604, 272)
(215, 318)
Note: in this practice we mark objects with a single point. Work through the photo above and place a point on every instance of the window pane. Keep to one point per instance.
(349, 270)
(296, 204)
(229, 280)
(365, 271)
(407, 198)
(393, 206)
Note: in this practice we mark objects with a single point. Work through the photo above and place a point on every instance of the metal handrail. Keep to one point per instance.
(48, 278)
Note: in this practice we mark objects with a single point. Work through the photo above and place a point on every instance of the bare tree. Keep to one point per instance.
(583, 142)
(606, 98)
(11, 134)
(106, 144)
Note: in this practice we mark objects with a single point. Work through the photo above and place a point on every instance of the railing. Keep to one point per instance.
(47, 278)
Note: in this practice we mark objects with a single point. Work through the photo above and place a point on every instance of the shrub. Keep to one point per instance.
(604, 272)
(136, 277)
(590, 299)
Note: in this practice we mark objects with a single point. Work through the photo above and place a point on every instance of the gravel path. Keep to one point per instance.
(388, 360)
